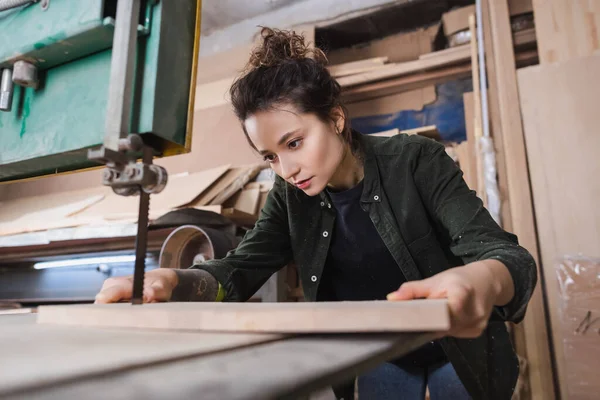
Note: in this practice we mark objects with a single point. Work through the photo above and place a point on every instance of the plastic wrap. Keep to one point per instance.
(579, 310)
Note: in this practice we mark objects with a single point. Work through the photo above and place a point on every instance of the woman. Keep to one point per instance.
(365, 218)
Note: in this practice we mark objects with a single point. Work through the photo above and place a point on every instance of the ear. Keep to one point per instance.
(339, 118)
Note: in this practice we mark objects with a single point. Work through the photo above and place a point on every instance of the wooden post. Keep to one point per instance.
(523, 225)
(477, 123)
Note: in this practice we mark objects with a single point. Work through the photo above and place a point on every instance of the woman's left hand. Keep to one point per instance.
(472, 292)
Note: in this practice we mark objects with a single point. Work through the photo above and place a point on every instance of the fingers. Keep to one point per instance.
(114, 290)
(156, 291)
(413, 290)
(157, 288)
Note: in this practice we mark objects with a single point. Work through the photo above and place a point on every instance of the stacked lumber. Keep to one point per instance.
(225, 190)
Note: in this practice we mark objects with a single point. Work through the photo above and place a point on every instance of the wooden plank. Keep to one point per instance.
(524, 37)
(36, 217)
(566, 28)
(477, 111)
(249, 173)
(517, 7)
(560, 118)
(405, 68)
(363, 316)
(425, 78)
(523, 224)
(399, 47)
(245, 200)
(283, 369)
(356, 67)
(410, 82)
(411, 100)
(445, 52)
(217, 187)
(464, 162)
(469, 145)
(494, 117)
(37, 355)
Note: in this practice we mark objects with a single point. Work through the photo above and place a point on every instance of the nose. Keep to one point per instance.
(289, 168)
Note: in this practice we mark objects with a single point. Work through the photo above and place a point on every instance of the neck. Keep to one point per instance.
(349, 173)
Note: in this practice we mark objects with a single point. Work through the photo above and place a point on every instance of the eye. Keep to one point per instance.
(270, 158)
(294, 144)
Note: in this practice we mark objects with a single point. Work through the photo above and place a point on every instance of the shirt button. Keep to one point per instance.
(325, 233)
(329, 205)
(375, 197)
(313, 278)
(322, 204)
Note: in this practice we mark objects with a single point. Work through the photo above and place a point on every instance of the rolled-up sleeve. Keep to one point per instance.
(473, 233)
(263, 251)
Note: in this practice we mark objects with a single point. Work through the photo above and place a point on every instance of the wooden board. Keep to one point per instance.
(494, 118)
(217, 187)
(560, 119)
(411, 100)
(477, 114)
(468, 153)
(409, 82)
(405, 68)
(248, 174)
(519, 190)
(245, 200)
(398, 47)
(36, 216)
(566, 29)
(356, 67)
(288, 368)
(35, 355)
(364, 316)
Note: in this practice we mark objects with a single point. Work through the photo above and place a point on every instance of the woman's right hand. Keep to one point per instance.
(158, 286)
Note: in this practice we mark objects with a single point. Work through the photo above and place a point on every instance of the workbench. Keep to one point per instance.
(62, 362)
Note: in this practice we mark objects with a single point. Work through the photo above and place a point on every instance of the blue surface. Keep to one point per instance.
(447, 113)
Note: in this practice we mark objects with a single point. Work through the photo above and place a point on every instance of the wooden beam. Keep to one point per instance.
(395, 70)
(422, 79)
(357, 67)
(323, 317)
(477, 117)
(414, 81)
(523, 223)
(494, 119)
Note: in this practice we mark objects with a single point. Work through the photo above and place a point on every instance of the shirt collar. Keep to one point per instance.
(371, 183)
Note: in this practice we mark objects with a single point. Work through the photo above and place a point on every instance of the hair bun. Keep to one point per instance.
(279, 46)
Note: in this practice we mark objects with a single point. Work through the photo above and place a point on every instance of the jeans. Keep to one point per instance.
(389, 381)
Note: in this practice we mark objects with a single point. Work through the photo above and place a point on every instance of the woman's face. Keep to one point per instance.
(301, 148)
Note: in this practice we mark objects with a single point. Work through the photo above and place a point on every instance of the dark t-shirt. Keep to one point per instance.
(360, 267)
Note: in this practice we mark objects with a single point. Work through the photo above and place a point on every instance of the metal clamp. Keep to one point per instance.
(126, 176)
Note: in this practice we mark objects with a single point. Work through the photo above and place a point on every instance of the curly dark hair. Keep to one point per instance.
(283, 69)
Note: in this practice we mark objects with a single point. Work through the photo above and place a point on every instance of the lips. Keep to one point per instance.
(304, 183)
